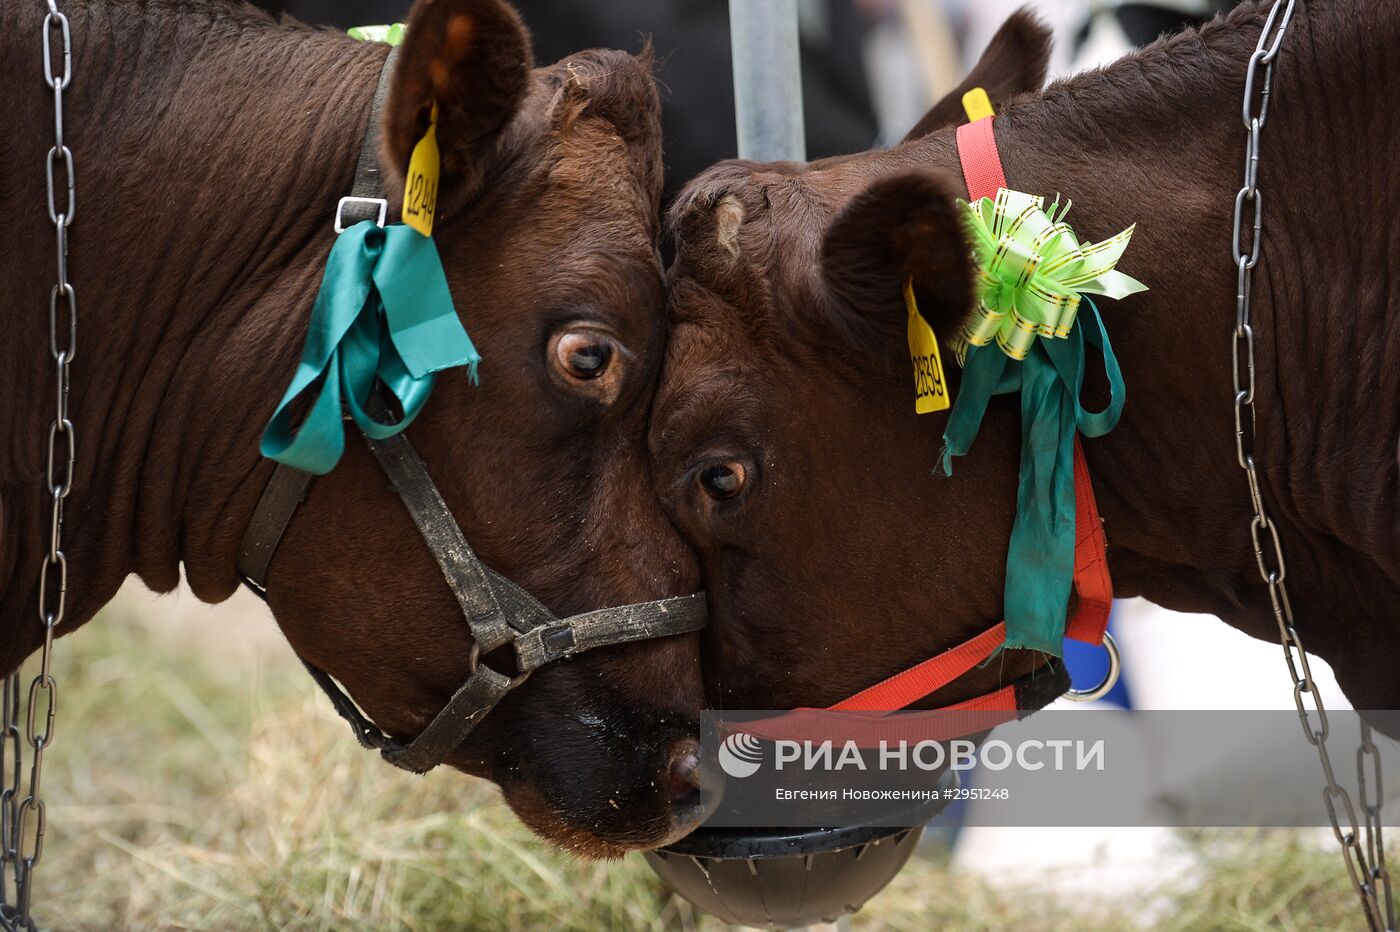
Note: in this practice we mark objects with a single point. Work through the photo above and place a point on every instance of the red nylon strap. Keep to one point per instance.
(1001, 700)
(906, 688)
(1091, 579)
(870, 729)
(981, 162)
(982, 170)
(1088, 624)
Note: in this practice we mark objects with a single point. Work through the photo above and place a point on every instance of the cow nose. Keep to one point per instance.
(692, 788)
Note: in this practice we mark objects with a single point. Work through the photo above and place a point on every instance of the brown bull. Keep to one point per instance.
(212, 144)
(784, 435)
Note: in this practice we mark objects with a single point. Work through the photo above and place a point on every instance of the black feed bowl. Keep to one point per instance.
(790, 878)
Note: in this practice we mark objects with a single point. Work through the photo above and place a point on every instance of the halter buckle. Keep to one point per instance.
(381, 205)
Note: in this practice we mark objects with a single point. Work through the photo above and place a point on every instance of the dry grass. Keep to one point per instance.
(198, 782)
(1245, 882)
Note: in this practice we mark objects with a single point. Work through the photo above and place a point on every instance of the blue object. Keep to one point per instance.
(1088, 665)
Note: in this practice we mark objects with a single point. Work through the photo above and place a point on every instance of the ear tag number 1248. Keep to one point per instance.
(421, 185)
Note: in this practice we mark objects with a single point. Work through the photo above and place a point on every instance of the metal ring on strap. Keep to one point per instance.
(1115, 667)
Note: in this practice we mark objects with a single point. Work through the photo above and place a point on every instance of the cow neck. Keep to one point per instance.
(984, 174)
(201, 227)
(1155, 139)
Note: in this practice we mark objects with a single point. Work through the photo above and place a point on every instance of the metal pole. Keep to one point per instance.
(767, 80)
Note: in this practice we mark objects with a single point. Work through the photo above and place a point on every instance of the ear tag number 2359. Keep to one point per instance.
(421, 186)
(930, 388)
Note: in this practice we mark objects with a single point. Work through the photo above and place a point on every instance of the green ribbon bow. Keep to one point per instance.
(391, 34)
(1032, 271)
(384, 315)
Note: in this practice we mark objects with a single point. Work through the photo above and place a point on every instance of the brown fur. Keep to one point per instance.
(212, 144)
(848, 560)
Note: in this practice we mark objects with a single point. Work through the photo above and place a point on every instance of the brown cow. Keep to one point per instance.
(212, 144)
(784, 436)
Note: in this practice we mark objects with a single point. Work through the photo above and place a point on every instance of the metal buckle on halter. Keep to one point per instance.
(379, 203)
(1115, 666)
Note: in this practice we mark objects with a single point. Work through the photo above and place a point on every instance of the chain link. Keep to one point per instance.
(1365, 865)
(23, 814)
(1371, 812)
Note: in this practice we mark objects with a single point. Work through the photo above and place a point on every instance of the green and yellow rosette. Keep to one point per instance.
(1025, 337)
(391, 34)
(1032, 269)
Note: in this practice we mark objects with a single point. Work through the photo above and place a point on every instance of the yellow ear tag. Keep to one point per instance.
(421, 186)
(977, 105)
(930, 388)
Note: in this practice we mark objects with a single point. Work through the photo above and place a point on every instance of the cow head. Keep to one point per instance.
(784, 439)
(547, 222)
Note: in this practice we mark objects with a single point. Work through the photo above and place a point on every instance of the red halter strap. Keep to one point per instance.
(981, 162)
(981, 166)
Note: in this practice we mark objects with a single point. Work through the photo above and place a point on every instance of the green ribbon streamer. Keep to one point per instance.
(384, 315)
(1040, 559)
(1022, 338)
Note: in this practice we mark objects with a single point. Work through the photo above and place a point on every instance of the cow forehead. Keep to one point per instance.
(753, 234)
(567, 223)
(707, 335)
(591, 165)
(708, 388)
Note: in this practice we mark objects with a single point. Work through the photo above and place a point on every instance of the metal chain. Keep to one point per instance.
(22, 821)
(1371, 812)
(1366, 867)
(22, 845)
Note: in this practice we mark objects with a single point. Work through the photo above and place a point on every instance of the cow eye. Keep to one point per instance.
(723, 480)
(583, 354)
(589, 360)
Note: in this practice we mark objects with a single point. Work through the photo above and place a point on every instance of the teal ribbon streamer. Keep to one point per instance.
(384, 315)
(1040, 560)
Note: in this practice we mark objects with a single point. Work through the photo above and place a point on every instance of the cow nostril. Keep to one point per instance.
(692, 789)
(685, 775)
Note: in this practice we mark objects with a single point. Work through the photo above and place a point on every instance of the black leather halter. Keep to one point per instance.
(498, 612)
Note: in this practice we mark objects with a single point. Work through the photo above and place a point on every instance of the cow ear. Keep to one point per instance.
(470, 58)
(903, 226)
(1015, 62)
